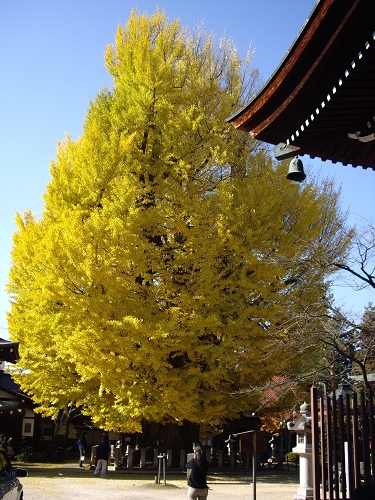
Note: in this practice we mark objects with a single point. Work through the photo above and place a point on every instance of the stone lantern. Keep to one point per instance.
(302, 426)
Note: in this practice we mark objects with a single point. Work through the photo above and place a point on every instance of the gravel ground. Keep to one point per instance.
(65, 482)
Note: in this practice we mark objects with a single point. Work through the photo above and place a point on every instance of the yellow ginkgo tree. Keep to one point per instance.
(170, 245)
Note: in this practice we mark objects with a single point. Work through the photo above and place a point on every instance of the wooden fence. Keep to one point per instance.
(343, 433)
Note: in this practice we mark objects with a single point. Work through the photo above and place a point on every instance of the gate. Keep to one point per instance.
(343, 431)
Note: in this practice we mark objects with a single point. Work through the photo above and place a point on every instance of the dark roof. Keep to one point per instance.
(8, 385)
(9, 351)
(321, 98)
(7, 406)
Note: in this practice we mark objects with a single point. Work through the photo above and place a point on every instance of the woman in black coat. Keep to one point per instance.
(197, 485)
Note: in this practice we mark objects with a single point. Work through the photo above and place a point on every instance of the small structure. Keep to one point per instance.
(253, 442)
(302, 425)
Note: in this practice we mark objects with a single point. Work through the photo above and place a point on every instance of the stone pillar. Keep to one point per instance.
(117, 458)
(156, 460)
(302, 425)
(143, 458)
(93, 454)
(220, 458)
(130, 458)
(305, 490)
(169, 458)
(182, 459)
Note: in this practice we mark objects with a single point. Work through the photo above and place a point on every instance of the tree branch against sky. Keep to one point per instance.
(168, 251)
(359, 267)
(345, 339)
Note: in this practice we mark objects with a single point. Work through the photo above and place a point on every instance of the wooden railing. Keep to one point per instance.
(343, 433)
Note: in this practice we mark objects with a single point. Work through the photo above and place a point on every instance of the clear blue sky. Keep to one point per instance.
(52, 64)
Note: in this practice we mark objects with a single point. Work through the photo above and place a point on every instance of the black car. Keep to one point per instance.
(10, 487)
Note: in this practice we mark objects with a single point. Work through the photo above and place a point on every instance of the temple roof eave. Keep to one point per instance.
(321, 97)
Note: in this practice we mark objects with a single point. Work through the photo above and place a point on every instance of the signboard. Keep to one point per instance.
(246, 440)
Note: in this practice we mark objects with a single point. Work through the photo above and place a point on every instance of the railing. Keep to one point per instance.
(343, 430)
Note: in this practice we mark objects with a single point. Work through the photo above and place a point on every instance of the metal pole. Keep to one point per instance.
(254, 465)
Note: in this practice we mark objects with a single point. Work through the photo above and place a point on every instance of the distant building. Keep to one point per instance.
(17, 417)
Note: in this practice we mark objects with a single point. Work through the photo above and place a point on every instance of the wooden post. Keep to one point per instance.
(356, 434)
(254, 465)
(365, 440)
(315, 442)
(372, 432)
(349, 445)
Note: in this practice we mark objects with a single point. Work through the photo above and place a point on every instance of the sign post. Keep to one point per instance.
(253, 442)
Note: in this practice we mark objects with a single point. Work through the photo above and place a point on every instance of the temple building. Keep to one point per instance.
(320, 101)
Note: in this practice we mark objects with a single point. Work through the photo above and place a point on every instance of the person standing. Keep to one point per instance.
(102, 457)
(4, 442)
(197, 484)
(82, 448)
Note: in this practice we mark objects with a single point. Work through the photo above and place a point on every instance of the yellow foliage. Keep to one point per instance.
(169, 246)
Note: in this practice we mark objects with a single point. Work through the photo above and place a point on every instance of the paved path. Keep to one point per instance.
(69, 482)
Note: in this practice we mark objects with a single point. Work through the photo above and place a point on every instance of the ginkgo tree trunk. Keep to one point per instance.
(169, 248)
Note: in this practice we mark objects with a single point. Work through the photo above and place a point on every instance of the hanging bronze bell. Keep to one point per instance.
(296, 172)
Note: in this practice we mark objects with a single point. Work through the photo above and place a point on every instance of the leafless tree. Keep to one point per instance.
(359, 268)
(324, 343)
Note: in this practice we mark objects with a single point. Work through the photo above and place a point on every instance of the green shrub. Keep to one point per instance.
(53, 454)
(292, 458)
(26, 453)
